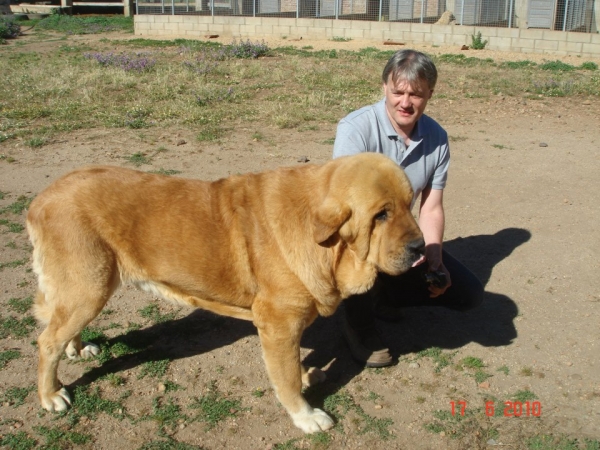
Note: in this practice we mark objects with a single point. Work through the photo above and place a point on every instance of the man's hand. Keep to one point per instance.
(437, 286)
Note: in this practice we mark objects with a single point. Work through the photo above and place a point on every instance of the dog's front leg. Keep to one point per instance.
(280, 340)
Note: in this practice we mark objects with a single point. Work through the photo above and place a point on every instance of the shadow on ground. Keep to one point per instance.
(489, 325)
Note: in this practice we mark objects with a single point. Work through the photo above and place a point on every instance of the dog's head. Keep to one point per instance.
(366, 213)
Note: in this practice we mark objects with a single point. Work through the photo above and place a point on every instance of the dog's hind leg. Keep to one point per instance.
(75, 294)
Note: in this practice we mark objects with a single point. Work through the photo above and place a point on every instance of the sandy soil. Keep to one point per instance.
(522, 212)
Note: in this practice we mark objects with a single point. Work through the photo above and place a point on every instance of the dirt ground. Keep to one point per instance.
(522, 213)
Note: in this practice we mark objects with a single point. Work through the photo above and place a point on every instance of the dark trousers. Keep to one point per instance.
(410, 289)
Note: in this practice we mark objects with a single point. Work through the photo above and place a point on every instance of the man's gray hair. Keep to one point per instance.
(412, 66)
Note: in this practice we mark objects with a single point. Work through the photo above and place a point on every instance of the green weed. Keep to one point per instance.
(11, 326)
(19, 206)
(214, 407)
(524, 396)
(57, 439)
(169, 444)
(504, 369)
(17, 441)
(440, 358)
(340, 403)
(154, 369)
(87, 402)
(166, 415)
(557, 66)
(472, 362)
(20, 305)
(549, 442)
(477, 43)
(13, 227)
(152, 312)
(7, 356)
(16, 396)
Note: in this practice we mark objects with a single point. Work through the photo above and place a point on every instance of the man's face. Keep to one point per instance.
(405, 103)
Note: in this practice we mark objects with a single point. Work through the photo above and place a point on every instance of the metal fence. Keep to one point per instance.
(563, 15)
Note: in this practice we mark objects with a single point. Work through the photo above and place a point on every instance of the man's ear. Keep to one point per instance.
(328, 219)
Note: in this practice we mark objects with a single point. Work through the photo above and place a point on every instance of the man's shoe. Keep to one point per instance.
(366, 346)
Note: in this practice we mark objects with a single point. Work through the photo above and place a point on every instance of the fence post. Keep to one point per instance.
(380, 9)
(566, 13)
(462, 12)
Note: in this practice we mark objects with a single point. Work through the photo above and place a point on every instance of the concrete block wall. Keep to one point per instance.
(504, 39)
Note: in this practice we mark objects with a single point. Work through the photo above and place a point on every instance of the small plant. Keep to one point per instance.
(19, 206)
(7, 356)
(504, 369)
(35, 142)
(139, 62)
(589, 65)
(477, 43)
(57, 438)
(340, 39)
(247, 49)
(154, 369)
(137, 159)
(557, 66)
(20, 440)
(523, 396)
(440, 358)
(15, 396)
(526, 371)
(214, 407)
(9, 29)
(152, 312)
(472, 362)
(20, 305)
(258, 393)
(12, 326)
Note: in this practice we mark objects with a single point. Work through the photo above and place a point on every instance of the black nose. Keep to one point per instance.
(416, 246)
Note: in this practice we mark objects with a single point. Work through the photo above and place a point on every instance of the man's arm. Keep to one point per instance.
(431, 222)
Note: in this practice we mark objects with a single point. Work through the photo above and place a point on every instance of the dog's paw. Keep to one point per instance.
(59, 401)
(312, 421)
(89, 350)
(312, 376)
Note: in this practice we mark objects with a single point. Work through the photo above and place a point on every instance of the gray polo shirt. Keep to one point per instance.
(425, 161)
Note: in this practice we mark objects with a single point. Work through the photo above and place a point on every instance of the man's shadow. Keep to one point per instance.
(490, 325)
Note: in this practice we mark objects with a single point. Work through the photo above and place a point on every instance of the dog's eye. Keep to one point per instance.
(381, 215)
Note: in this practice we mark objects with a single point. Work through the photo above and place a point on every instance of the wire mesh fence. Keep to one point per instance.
(562, 15)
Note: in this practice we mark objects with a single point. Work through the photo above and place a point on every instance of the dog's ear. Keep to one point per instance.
(328, 219)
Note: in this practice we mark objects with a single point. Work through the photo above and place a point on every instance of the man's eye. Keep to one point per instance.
(381, 215)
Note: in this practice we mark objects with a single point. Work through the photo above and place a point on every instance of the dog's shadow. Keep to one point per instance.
(489, 325)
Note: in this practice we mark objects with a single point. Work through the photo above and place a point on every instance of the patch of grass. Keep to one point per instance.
(20, 305)
(480, 376)
(167, 172)
(214, 407)
(518, 64)
(440, 358)
(166, 415)
(154, 369)
(169, 444)
(526, 371)
(588, 65)
(524, 396)
(35, 142)
(16, 396)
(152, 312)
(340, 39)
(17, 441)
(504, 369)
(557, 66)
(340, 403)
(258, 393)
(13, 264)
(18, 206)
(549, 442)
(88, 402)
(138, 158)
(171, 386)
(458, 426)
(11, 326)
(57, 438)
(472, 362)
(7, 356)
(13, 227)
(114, 379)
(86, 25)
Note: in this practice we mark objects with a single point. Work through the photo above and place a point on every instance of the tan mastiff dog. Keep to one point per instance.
(277, 248)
